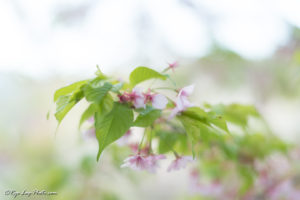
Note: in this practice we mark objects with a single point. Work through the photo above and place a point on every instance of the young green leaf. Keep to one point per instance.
(100, 74)
(144, 120)
(68, 89)
(65, 104)
(236, 113)
(113, 125)
(117, 87)
(96, 94)
(197, 114)
(191, 126)
(218, 121)
(141, 74)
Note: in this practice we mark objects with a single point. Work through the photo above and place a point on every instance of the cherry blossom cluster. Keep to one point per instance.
(140, 99)
(158, 101)
(144, 160)
(275, 180)
(150, 162)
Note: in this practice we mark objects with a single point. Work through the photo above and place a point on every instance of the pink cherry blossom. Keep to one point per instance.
(153, 162)
(173, 65)
(159, 101)
(209, 189)
(137, 97)
(285, 190)
(212, 189)
(179, 163)
(137, 162)
(182, 102)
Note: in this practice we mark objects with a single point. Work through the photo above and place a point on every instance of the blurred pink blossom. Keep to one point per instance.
(139, 162)
(285, 190)
(137, 97)
(213, 189)
(89, 134)
(158, 101)
(179, 163)
(182, 102)
(91, 120)
(153, 162)
(173, 65)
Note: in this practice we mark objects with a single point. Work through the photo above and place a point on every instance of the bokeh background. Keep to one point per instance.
(233, 50)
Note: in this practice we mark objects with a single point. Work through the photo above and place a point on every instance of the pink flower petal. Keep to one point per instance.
(186, 91)
(182, 103)
(139, 162)
(138, 98)
(153, 164)
(180, 163)
(136, 162)
(159, 101)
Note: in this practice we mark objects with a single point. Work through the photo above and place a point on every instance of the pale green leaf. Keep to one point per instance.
(141, 74)
(218, 121)
(68, 89)
(144, 120)
(96, 94)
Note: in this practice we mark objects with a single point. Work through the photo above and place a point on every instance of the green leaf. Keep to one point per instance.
(197, 114)
(236, 113)
(96, 94)
(113, 125)
(144, 120)
(141, 74)
(247, 175)
(106, 105)
(191, 126)
(145, 111)
(197, 130)
(166, 141)
(218, 121)
(68, 89)
(100, 74)
(117, 87)
(65, 104)
(172, 140)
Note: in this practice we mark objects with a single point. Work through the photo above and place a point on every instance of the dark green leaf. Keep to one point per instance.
(113, 125)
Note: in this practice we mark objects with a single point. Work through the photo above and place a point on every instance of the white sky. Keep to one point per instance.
(113, 34)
